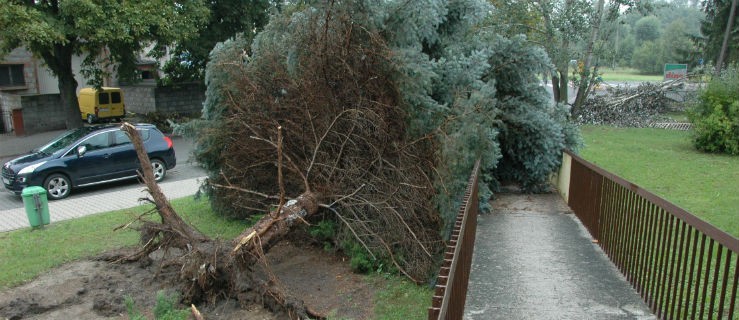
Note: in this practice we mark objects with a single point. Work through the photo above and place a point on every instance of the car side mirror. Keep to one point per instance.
(81, 150)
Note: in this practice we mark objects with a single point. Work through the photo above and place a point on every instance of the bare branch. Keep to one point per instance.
(349, 225)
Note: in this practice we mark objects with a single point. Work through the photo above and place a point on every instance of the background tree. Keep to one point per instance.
(57, 30)
(227, 18)
(648, 58)
(647, 29)
(677, 45)
(715, 27)
(556, 25)
(588, 77)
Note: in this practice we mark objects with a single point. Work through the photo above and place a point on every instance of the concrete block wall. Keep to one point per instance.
(183, 99)
(139, 99)
(42, 112)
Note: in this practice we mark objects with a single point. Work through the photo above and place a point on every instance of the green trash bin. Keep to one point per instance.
(37, 206)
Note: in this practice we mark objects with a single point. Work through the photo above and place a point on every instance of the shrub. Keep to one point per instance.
(166, 121)
(324, 232)
(715, 115)
(360, 261)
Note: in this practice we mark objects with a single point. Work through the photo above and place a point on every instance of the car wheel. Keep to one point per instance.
(90, 119)
(57, 186)
(159, 168)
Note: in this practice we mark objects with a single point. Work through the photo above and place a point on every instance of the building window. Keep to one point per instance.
(11, 75)
(147, 75)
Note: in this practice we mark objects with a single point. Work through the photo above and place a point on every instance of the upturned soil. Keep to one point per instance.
(97, 289)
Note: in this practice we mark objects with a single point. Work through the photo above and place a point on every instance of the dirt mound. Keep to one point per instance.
(94, 289)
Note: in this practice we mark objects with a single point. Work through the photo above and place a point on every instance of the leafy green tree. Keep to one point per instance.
(647, 29)
(677, 44)
(648, 58)
(719, 30)
(227, 18)
(556, 25)
(58, 30)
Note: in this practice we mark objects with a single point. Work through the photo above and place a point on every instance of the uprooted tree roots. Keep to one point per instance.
(212, 269)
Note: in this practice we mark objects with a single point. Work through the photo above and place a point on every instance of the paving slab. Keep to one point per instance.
(533, 259)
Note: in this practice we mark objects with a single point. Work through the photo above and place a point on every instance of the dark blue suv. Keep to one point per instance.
(88, 156)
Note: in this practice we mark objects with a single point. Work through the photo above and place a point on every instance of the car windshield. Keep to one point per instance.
(65, 139)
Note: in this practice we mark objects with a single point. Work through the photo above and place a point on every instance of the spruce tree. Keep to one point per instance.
(381, 108)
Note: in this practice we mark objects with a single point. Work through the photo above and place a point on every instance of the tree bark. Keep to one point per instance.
(586, 76)
(269, 230)
(725, 43)
(166, 212)
(60, 63)
(555, 88)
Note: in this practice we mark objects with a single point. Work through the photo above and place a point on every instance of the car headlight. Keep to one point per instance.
(31, 168)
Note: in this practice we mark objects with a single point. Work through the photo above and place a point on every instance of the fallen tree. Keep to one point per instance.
(368, 115)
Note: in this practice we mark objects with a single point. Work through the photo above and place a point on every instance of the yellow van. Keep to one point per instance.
(103, 103)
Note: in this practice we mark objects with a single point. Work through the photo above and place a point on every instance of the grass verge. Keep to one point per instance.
(401, 299)
(26, 253)
(665, 163)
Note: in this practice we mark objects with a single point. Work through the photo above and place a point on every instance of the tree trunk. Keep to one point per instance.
(564, 94)
(271, 228)
(586, 76)
(166, 212)
(727, 34)
(60, 63)
(555, 88)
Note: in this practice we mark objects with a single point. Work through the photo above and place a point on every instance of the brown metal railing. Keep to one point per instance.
(683, 267)
(451, 288)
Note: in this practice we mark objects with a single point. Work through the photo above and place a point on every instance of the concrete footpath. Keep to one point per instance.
(533, 259)
(83, 205)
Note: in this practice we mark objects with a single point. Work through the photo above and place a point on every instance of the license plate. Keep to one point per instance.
(103, 110)
(6, 181)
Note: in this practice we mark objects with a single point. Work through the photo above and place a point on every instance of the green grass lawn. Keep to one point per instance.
(26, 253)
(627, 75)
(665, 163)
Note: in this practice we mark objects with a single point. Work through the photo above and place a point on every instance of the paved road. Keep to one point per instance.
(181, 181)
(534, 260)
